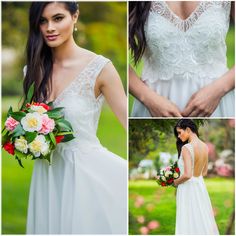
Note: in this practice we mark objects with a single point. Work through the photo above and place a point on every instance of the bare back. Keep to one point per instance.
(200, 151)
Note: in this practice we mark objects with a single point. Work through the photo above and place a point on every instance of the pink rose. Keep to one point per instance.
(153, 224)
(168, 168)
(48, 125)
(141, 219)
(144, 230)
(11, 123)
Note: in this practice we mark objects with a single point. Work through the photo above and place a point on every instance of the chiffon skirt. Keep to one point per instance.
(194, 215)
(179, 91)
(81, 192)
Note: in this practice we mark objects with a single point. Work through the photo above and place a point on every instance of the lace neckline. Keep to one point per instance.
(196, 9)
(79, 74)
(163, 9)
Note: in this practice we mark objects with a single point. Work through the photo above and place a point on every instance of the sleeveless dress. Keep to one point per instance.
(182, 56)
(194, 213)
(84, 190)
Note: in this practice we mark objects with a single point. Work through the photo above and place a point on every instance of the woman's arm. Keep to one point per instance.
(205, 101)
(187, 167)
(109, 84)
(156, 104)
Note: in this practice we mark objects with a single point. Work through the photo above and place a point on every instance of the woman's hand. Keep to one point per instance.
(157, 105)
(205, 101)
(160, 106)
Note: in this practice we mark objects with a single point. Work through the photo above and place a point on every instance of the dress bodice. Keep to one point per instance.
(190, 48)
(81, 108)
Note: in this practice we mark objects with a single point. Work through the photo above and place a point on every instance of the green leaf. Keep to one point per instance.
(64, 133)
(20, 154)
(67, 138)
(55, 114)
(9, 111)
(18, 115)
(30, 92)
(5, 138)
(64, 124)
(30, 136)
(18, 131)
(52, 137)
(47, 157)
(50, 104)
(19, 161)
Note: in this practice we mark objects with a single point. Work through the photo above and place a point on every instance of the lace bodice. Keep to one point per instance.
(194, 47)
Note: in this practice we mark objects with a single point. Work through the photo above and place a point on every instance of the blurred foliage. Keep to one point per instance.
(103, 33)
(149, 137)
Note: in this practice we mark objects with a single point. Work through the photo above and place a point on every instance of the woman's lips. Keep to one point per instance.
(51, 37)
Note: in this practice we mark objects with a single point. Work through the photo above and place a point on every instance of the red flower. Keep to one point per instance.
(9, 147)
(177, 169)
(28, 105)
(163, 184)
(59, 138)
(45, 106)
(170, 181)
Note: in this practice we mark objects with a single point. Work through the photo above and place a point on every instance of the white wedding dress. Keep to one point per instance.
(182, 56)
(194, 214)
(84, 190)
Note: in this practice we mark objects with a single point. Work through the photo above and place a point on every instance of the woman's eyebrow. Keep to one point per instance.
(56, 15)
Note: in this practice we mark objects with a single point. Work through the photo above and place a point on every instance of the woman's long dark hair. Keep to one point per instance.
(138, 13)
(184, 124)
(39, 56)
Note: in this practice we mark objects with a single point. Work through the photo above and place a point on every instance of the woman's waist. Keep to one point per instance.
(152, 73)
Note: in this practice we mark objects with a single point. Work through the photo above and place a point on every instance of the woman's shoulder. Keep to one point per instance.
(90, 55)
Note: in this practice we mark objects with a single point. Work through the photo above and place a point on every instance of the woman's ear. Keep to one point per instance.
(188, 130)
(76, 16)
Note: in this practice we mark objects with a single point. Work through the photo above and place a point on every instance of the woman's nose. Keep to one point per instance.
(50, 27)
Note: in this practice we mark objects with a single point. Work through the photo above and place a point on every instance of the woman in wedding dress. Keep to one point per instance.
(84, 190)
(194, 215)
(182, 45)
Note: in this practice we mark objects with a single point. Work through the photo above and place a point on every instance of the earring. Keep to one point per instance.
(75, 28)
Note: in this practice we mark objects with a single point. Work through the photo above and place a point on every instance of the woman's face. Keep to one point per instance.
(57, 24)
(183, 134)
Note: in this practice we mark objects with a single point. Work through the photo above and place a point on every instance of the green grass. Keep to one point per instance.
(16, 181)
(159, 204)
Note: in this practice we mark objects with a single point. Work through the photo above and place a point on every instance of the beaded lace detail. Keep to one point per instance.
(186, 49)
(163, 9)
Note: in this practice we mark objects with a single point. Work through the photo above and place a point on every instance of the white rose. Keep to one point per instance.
(176, 175)
(39, 146)
(168, 173)
(32, 122)
(21, 144)
(163, 178)
(38, 109)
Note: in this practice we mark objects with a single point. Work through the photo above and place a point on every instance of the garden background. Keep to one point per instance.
(152, 208)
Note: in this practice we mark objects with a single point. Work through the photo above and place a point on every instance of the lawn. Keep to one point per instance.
(16, 181)
(149, 202)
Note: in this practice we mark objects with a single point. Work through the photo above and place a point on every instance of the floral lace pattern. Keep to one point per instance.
(84, 83)
(194, 47)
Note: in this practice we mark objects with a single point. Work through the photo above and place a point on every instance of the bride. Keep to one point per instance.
(182, 44)
(84, 190)
(194, 214)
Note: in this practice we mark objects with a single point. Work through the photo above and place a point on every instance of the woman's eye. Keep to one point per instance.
(42, 21)
(59, 18)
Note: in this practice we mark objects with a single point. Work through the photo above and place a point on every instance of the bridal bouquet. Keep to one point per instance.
(35, 130)
(166, 176)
